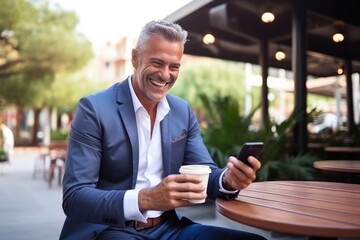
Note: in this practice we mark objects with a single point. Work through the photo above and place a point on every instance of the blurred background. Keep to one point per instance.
(53, 52)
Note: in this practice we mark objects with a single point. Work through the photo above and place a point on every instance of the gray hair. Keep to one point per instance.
(170, 31)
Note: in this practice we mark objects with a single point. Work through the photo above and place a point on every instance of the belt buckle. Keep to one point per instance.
(137, 227)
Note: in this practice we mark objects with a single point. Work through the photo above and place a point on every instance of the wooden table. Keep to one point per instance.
(311, 208)
(342, 152)
(342, 149)
(348, 169)
(348, 166)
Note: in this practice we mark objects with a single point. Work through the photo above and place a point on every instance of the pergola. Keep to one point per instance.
(302, 29)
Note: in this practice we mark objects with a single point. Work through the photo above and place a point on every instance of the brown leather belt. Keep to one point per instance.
(151, 222)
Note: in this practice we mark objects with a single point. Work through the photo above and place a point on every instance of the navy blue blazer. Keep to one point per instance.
(103, 157)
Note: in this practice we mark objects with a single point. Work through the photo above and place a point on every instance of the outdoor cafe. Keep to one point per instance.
(302, 30)
(312, 39)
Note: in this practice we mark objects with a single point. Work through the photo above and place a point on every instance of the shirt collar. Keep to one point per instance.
(163, 106)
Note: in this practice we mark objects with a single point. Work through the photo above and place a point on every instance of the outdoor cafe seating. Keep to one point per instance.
(50, 162)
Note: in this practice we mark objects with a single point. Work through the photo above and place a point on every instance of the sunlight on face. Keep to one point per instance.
(156, 67)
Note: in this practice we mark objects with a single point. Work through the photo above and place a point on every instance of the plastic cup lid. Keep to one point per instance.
(195, 169)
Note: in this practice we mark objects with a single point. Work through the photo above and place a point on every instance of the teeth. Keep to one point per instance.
(158, 83)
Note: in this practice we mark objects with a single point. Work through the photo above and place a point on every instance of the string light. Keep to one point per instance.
(338, 37)
(208, 38)
(267, 17)
(280, 55)
(340, 70)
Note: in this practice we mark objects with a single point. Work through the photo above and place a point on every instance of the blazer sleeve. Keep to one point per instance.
(82, 200)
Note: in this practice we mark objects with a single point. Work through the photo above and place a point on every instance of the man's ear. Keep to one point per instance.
(134, 58)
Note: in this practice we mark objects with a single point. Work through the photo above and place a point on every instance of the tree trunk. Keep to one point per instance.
(34, 136)
(58, 120)
(19, 116)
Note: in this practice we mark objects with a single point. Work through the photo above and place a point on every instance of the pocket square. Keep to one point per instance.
(179, 138)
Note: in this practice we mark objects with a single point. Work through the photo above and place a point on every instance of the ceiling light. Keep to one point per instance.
(340, 70)
(208, 38)
(267, 17)
(280, 55)
(338, 37)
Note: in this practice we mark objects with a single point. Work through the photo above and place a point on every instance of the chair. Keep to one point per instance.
(57, 152)
(41, 162)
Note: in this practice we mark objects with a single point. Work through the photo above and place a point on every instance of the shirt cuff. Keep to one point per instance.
(222, 189)
(131, 210)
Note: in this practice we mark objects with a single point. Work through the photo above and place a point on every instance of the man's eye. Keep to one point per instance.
(157, 64)
(174, 68)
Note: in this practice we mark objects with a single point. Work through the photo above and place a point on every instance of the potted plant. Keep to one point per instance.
(3, 156)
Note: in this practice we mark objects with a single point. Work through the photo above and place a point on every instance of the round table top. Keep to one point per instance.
(310, 208)
(350, 166)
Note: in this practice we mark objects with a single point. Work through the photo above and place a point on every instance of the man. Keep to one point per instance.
(126, 146)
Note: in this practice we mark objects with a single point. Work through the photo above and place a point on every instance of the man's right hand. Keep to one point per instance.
(172, 192)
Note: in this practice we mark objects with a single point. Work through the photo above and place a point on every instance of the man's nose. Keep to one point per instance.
(165, 73)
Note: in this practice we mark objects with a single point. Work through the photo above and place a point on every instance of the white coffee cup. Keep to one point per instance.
(201, 170)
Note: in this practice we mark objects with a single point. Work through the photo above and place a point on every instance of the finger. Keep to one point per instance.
(256, 164)
(249, 171)
(239, 177)
(237, 182)
(237, 162)
(191, 196)
(183, 184)
(186, 178)
(191, 187)
(238, 167)
(180, 193)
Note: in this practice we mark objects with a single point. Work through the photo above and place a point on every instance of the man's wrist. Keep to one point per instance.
(225, 184)
(226, 191)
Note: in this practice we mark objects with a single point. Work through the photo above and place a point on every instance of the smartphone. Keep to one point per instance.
(249, 149)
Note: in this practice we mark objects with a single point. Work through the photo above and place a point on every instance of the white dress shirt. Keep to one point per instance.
(150, 157)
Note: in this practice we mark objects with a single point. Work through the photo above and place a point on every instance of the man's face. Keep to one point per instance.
(156, 67)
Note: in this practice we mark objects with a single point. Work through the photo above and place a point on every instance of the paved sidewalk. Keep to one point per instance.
(30, 210)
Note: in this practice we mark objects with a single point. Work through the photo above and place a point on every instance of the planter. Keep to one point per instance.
(3, 156)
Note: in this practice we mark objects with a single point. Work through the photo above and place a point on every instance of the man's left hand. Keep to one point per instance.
(239, 175)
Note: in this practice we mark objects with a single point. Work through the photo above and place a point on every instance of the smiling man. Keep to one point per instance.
(126, 146)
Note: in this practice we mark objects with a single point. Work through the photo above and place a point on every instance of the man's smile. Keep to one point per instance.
(158, 83)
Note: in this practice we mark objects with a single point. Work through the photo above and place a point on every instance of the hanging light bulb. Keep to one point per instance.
(340, 70)
(208, 38)
(267, 17)
(338, 37)
(280, 55)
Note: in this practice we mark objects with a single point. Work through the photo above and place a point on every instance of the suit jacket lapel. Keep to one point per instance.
(165, 143)
(127, 114)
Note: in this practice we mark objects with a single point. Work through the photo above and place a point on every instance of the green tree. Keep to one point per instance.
(37, 41)
(210, 77)
(67, 89)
